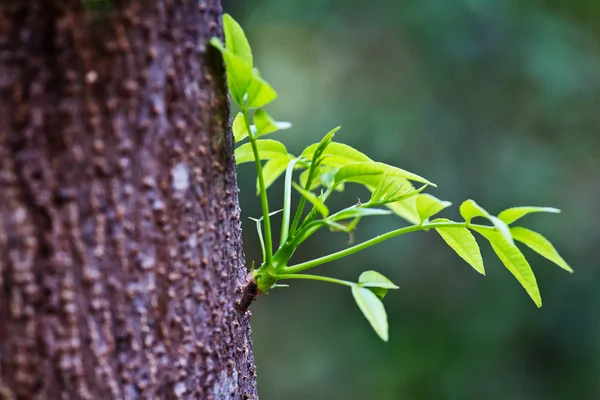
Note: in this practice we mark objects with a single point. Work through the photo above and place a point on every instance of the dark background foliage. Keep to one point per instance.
(493, 100)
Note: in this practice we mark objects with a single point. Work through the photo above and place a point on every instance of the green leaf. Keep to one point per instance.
(514, 261)
(463, 243)
(356, 172)
(273, 170)
(428, 205)
(469, 210)
(376, 283)
(239, 72)
(540, 245)
(337, 154)
(317, 202)
(510, 215)
(317, 158)
(239, 128)
(358, 212)
(265, 124)
(235, 39)
(372, 308)
(375, 279)
(260, 92)
(267, 149)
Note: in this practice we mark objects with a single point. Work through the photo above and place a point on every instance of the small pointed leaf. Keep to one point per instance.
(428, 205)
(317, 202)
(239, 128)
(356, 171)
(540, 245)
(337, 154)
(235, 39)
(510, 215)
(469, 210)
(463, 243)
(358, 212)
(372, 308)
(375, 279)
(260, 92)
(514, 261)
(239, 72)
(265, 124)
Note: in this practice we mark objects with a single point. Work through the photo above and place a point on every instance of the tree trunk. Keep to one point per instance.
(120, 242)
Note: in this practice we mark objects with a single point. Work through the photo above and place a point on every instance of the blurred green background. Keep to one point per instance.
(493, 100)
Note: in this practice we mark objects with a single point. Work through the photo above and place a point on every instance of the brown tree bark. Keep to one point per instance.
(120, 247)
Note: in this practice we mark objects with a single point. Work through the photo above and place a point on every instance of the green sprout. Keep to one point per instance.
(326, 167)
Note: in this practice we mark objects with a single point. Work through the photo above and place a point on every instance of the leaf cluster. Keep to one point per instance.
(328, 166)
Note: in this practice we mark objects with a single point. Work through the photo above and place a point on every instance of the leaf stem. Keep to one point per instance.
(316, 278)
(378, 239)
(287, 202)
(263, 192)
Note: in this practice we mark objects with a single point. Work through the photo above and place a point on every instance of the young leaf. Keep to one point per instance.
(463, 243)
(239, 72)
(428, 205)
(265, 124)
(540, 245)
(514, 261)
(356, 172)
(317, 202)
(260, 93)
(239, 128)
(375, 279)
(273, 170)
(358, 212)
(303, 179)
(316, 157)
(406, 209)
(235, 39)
(337, 154)
(376, 283)
(372, 308)
(510, 215)
(469, 210)
(267, 149)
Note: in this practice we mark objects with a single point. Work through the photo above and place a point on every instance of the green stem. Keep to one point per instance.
(316, 278)
(287, 202)
(263, 192)
(378, 239)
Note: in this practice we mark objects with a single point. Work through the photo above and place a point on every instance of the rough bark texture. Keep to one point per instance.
(120, 247)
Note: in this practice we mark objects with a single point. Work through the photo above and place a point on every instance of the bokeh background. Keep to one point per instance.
(493, 100)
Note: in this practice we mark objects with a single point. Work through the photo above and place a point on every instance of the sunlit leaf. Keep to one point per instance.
(240, 132)
(469, 210)
(356, 172)
(376, 283)
(375, 279)
(235, 39)
(260, 92)
(372, 308)
(265, 124)
(428, 206)
(540, 245)
(317, 202)
(357, 212)
(267, 149)
(337, 154)
(461, 240)
(273, 170)
(510, 215)
(239, 72)
(514, 261)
